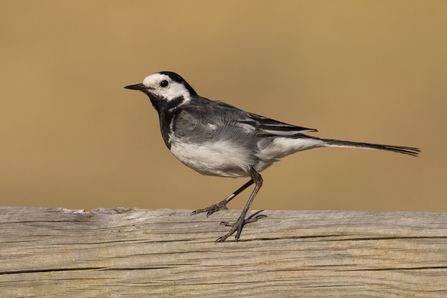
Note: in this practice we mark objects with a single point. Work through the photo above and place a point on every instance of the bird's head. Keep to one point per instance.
(165, 89)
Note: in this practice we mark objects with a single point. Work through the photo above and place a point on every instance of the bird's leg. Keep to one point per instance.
(222, 205)
(241, 221)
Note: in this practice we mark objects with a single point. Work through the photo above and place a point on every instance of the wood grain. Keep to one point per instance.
(128, 252)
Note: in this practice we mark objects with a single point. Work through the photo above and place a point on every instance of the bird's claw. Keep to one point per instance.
(211, 209)
(247, 221)
(237, 227)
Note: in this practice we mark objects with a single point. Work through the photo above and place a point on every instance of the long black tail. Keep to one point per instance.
(398, 149)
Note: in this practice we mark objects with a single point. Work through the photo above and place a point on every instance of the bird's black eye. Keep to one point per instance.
(164, 83)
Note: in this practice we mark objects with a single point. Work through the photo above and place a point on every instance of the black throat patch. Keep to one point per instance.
(167, 111)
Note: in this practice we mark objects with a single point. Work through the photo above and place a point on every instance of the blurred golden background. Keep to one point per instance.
(374, 71)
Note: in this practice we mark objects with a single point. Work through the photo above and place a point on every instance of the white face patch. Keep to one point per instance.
(170, 91)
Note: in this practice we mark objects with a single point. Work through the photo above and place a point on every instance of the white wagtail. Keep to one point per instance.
(217, 139)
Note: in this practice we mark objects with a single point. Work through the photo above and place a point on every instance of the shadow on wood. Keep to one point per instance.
(49, 252)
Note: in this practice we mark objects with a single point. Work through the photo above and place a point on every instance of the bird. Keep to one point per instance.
(217, 139)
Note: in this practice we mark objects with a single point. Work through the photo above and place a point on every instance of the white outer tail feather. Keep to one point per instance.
(348, 144)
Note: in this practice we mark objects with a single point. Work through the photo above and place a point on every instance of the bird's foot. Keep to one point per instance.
(211, 209)
(237, 226)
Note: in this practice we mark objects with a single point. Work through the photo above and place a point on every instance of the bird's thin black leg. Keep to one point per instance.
(239, 224)
(222, 205)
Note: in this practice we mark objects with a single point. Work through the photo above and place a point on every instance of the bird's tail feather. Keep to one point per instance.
(398, 149)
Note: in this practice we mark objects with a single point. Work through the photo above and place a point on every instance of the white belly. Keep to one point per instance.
(221, 158)
(227, 159)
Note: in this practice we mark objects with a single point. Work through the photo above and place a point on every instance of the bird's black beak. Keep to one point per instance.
(136, 87)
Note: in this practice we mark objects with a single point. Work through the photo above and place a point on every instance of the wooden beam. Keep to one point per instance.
(129, 252)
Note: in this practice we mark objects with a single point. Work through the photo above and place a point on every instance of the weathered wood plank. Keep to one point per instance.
(47, 252)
